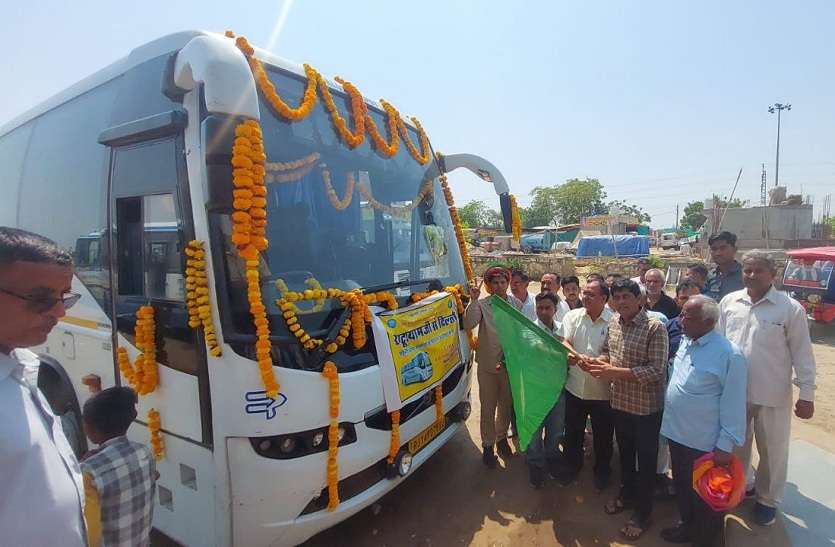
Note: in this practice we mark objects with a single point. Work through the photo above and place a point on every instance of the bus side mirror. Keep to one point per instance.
(507, 212)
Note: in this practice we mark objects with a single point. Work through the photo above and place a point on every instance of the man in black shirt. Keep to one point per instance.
(656, 299)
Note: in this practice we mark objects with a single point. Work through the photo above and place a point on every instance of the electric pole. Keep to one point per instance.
(778, 107)
(763, 190)
(676, 217)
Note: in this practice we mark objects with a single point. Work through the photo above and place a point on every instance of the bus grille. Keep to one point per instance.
(381, 420)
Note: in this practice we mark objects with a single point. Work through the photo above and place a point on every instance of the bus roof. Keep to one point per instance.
(166, 44)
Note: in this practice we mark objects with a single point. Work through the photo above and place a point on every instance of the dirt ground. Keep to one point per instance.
(454, 500)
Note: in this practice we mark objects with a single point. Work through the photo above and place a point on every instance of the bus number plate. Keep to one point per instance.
(424, 437)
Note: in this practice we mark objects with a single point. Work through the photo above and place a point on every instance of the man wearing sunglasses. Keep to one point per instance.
(42, 486)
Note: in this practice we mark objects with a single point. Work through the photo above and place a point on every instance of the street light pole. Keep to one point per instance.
(778, 107)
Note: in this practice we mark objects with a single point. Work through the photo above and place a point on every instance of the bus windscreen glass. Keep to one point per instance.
(340, 217)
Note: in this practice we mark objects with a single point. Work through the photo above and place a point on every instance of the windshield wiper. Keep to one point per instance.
(433, 282)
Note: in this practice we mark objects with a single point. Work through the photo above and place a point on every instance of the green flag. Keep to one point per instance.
(537, 364)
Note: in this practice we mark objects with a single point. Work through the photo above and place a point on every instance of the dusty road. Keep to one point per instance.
(454, 500)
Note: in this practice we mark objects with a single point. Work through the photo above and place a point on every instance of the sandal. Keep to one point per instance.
(633, 529)
(614, 506)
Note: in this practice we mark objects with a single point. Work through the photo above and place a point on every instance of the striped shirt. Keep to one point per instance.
(639, 344)
(123, 473)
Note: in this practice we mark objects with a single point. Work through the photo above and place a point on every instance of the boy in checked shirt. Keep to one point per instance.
(120, 476)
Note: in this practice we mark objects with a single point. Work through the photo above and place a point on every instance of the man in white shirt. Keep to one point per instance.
(644, 265)
(43, 492)
(551, 284)
(771, 330)
(519, 296)
(586, 396)
(544, 452)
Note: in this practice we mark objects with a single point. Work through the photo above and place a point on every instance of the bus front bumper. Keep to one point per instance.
(294, 531)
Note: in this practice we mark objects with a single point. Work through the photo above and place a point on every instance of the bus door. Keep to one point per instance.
(150, 215)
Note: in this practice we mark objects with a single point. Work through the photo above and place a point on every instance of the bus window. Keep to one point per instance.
(150, 223)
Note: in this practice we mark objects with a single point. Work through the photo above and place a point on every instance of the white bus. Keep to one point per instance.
(133, 162)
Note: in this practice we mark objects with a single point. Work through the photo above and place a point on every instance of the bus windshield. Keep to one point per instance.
(340, 217)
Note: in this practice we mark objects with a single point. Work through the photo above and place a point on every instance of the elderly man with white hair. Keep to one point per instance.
(771, 330)
(704, 412)
(657, 301)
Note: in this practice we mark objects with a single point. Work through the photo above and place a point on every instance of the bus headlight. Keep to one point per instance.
(303, 443)
(814, 298)
(288, 445)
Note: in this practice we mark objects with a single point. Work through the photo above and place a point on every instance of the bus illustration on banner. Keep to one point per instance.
(418, 370)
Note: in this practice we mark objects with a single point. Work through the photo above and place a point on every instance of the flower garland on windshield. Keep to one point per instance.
(336, 202)
(354, 325)
(363, 122)
(249, 222)
(456, 223)
(306, 161)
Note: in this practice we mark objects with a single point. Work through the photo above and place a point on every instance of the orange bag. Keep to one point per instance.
(722, 488)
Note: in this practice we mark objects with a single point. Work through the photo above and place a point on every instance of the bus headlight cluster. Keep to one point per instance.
(303, 443)
(814, 298)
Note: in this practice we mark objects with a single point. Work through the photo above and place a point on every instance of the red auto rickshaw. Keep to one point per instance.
(808, 278)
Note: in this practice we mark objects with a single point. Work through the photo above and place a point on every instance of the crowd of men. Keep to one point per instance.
(669, 379)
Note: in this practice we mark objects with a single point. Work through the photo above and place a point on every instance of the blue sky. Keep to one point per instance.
(662, 101)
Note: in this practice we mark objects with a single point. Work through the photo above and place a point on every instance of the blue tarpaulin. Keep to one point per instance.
(626, 245)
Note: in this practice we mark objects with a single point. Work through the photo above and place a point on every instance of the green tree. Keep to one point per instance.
(566, 203)
(493, 219)
(474, 214)
(629, 209)
(693, 215)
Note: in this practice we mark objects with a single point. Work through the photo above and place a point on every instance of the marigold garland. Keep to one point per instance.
(249, 220)
(311, 282)
(128, 371)
(306, 161)
(422, 156)
(389, 147)
(439, 403)
(336, 202)
(363, 122)
(354, 325)
(197, 295)
(292, 176)
(249, 223)
(516, 222)
(147, 372)
(456, 223)
(394, 447)
(332, 374)
(154, 426)
(424, 191)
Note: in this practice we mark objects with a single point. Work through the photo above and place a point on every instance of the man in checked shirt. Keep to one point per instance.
(634, 359)
(120, 476)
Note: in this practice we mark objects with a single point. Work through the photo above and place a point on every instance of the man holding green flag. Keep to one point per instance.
(537, 364)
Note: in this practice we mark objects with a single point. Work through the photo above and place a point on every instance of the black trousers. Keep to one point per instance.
(638, 440)
(577, 412)
(703, 523)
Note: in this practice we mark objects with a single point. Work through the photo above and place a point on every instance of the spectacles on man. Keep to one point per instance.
(41, 304)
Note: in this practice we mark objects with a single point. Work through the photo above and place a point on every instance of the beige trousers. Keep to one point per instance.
(496, 405)
(772, 427)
